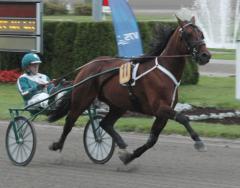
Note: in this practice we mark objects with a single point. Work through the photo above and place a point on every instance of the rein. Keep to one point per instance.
(79, 68)
(151, 57)
(116, 69)
(114, 58)
(158, 66)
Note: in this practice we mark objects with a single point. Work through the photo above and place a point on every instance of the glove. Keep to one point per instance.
(56, 82)
(40, 86)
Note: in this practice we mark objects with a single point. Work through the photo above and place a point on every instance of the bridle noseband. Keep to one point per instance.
(192, 46)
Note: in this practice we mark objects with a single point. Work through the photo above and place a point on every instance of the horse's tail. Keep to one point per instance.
(62, 108)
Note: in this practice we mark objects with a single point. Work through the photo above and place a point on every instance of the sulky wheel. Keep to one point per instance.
(98, 144)
(20, 141)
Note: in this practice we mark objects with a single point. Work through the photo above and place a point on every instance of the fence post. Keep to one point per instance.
(238, 69)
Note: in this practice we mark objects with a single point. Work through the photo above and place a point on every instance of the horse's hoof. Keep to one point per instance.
(199, 146)
(55, 146)
(125, 156)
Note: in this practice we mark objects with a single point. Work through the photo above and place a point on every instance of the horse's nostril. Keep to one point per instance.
(205, 57)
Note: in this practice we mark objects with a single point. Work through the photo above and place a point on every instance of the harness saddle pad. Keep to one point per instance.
(125, 73)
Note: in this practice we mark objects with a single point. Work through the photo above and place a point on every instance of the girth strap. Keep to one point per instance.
(133, 98)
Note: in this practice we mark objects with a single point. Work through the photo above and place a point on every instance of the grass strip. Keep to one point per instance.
(210, 91)
(143, 125)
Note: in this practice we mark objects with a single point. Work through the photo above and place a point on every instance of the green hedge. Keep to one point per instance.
(68, 45)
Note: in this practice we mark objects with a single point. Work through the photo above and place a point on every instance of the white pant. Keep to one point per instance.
(58, 97)
(42, 96)
(38, 97)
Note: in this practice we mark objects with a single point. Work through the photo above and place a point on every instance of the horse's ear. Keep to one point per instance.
(193, 20)
(180, 22)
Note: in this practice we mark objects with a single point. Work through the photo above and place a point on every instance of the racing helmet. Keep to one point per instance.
(30, 58)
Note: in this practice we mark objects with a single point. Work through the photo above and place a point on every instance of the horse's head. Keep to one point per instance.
(193, 38)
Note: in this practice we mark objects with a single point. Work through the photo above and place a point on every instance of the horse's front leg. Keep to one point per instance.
(157, 127)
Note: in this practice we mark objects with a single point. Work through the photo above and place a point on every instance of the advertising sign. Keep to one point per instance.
(126, 29)
(21, 26)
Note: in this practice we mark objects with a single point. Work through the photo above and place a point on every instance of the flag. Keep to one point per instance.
(126, 29)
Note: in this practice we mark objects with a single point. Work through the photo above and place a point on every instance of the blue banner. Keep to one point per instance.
(126, 29)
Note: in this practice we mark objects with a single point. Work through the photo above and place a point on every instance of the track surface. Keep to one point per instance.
(219, 68)
(171, 163)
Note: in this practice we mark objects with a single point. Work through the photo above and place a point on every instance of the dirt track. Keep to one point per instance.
(172, 163)
(219, 68)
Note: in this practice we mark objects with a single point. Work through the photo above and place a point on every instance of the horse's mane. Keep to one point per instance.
(158, 44)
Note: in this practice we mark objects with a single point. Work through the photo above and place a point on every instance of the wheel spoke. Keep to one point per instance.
(97, 150)
(96, 128)
(106, 143)
(107, 138)
(27, 135)
(17, 153)
(28, 147)
(90, 133)
(94, 147)
(91, 137)
(104, 148)
(15, 149)
(103, 133)
(91, 143)
(14, 143)
(24, 150)
(21, 154)
(13, 138)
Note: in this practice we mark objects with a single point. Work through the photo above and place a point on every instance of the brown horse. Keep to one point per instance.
(154, 92)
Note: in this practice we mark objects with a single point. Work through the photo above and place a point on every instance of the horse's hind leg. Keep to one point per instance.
(184, 120)
(169, 113)
(164, 114)
(69, 123)
(157, 127)
(75, 111)
(107, 124)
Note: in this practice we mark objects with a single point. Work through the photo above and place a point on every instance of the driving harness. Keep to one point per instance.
(134, 77)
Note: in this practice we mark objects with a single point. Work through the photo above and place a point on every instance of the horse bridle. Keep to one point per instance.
(192, 46)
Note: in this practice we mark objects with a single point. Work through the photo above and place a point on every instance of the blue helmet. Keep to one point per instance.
(30, 58)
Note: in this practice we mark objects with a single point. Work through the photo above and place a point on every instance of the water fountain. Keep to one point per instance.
(219, 20)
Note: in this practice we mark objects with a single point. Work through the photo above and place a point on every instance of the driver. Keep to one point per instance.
(32, 85)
